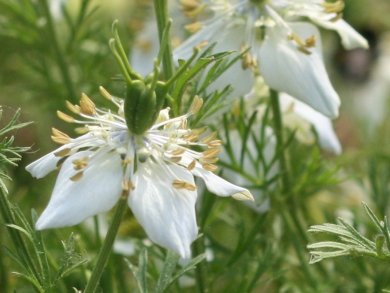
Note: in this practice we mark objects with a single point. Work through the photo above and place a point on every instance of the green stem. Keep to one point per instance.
(278, 127)
(286, 211)
(198, 248)
(59, 55)
(17, 239)
(107, 246)
(161, 10)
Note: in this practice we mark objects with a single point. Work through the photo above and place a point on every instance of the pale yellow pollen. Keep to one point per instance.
(179, 184)
(196, 105)
(65, 117)
(191, 137)
(310, 42)
(303, 46)
(201, 45)
(209, 167)
(247, 60)
(334, 7)
(105, 93)
(199, 131)
(192, 8)
(86, 105)
(73, 108)
(77, 176)
(211, 152)
(127, 185)
(215, 143)
(191, 165)
(178, 152)
(60, 137)
(175, 159)
(210, 137)
(81, 130)
(193, 27)
(208, 160)
(80, 164)
(63, 153)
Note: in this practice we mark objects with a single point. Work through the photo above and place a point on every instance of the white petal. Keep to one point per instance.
(44, 165)
(302, 76)
(73, 201)
(167, 214)
(322, 124)
(220, 186)
(350, 38)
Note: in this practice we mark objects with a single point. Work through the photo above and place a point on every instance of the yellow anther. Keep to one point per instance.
(81, 130)
(196, 105)
(209, 138)
(86, 105)
(80, 164)
(215, 143)
(208, 160)
(178, 152)
(191, 165)
(192, 8)
(63, 153)
(179, 184)
(105, 93)
(209, 167)
(310, 42)
(60, 137)
(194, 27)
(201, 45)
(334, 7)
(175, 159)
(211, 152)
(65, 117)
(73, 108)
(77, 176)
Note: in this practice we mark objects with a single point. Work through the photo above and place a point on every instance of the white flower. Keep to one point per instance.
(155, 170)
(296, 113)
(287, 51)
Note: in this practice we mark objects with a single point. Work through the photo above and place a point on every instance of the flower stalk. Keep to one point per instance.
(106, 249)
(161, 10)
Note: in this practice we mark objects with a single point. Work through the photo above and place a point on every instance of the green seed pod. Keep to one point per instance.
(140, 107)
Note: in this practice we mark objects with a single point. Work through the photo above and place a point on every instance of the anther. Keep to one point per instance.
(86, 105)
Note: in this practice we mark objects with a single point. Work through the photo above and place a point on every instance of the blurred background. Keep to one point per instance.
(49, 55)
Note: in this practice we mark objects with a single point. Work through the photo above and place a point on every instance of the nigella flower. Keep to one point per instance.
(155, 169)
(286, 51)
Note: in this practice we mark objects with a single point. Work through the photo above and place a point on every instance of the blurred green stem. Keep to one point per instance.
(107, 246)
(59, 55)
(17, 240)
(161, 10)
(286, 211)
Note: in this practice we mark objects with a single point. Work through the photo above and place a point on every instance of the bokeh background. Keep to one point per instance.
(41, 68)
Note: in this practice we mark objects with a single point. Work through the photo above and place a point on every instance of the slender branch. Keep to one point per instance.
(105, 250)
(16, 238)
(161, 10)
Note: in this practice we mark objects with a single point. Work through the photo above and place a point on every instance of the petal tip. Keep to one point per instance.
(244, 195)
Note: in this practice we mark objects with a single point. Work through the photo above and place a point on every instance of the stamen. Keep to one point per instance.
(215, 143)
(211, 152)
(193, 27)
(77, 176)
(80, 164)
(334, 7)
(196, 105)
(60, 137)
(65, 117)
(87, 106)
(209, 167)
(63, 153)
(210, 160)
(73, 108)
(179, 184)
(81, 130)
(209, 138)
(105, 93)
(191, 165)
